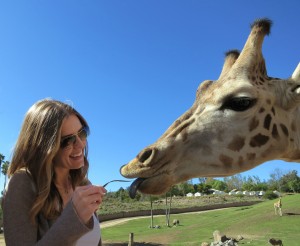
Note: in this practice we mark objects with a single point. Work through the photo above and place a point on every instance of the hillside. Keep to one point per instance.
(256, 224)
(114, 205)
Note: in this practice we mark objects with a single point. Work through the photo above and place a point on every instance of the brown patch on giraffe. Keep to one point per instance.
(259, 140)
(226, 160)
(275, 132)
(254, 122)
(267, 121)
(293, 127)
(273, 111)
(295, 156)
(237, 143)
(267, 152)
(251, 156)
(184, 131)
(240, 161)
(284, 129)
(261, 79)
(268, 101)
(261, 110)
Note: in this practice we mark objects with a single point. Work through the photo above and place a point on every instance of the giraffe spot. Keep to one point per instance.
(253, 124)
(262, 68)
(258, 140)
(273, 110)
(295, 156)
(261, 110)
(268, 101)
(226, 160)
(284, 129)
(267, 121)
(240, 161)
(267, 152)
(275, 132)
(237, 143)
(293, 126)
(251, 156)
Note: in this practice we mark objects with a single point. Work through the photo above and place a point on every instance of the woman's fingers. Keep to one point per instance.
(86, 200)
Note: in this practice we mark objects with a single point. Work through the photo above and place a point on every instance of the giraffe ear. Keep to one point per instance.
(294, 88)
(296, 74)
(291, 98)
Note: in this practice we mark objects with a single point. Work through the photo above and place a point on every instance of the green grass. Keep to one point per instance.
(255, 223)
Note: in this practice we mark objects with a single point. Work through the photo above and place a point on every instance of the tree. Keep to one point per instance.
(234, 182)
(202, 180)
(290, 182)
(275, 177)
(151, 210)
(185, 187)
(253, 183)
(168, 208)
(4, 169)
(218, 184)
(2, 157)
(152, 198)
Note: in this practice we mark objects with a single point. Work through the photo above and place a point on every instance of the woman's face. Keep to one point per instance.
(71, 155)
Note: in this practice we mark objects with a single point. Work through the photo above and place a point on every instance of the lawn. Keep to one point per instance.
(256, 223)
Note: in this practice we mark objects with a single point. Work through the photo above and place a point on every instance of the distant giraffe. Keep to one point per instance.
(237, 122)
(277, 207)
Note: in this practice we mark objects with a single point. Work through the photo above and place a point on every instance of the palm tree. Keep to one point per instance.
(151, 207)
(4, 169)
(2, 157)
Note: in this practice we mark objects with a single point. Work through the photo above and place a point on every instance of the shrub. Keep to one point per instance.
(270, 195)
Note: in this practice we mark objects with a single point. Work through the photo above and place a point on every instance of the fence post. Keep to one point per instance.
(131, 242)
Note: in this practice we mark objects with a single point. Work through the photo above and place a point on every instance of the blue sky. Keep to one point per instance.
(130, 67)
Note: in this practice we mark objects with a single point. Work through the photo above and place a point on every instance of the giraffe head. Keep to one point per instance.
(237, 122)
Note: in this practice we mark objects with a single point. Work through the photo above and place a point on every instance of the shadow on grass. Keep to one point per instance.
(135, 244)
(291, 214)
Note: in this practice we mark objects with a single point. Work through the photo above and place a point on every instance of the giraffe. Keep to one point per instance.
(277, 207)
(237, 122)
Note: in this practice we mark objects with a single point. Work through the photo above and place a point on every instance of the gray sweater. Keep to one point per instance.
(18, 229)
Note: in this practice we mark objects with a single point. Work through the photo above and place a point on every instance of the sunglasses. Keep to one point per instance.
(71, 139)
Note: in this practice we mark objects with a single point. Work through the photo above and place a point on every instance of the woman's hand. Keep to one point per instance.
(86, 200)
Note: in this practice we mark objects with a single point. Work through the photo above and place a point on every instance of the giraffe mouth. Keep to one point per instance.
(135, 186)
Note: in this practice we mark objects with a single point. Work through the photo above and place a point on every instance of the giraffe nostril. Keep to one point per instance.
(145, 155)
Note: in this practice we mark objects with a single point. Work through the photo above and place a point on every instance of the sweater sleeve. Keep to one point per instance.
(18, 228)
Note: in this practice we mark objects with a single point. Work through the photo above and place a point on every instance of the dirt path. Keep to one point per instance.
(110, 223)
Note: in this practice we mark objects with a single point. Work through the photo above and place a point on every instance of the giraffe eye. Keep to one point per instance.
(239, 103)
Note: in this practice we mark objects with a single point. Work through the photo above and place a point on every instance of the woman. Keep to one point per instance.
(49, 200)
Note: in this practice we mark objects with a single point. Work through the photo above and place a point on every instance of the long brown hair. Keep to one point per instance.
(37, 145)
